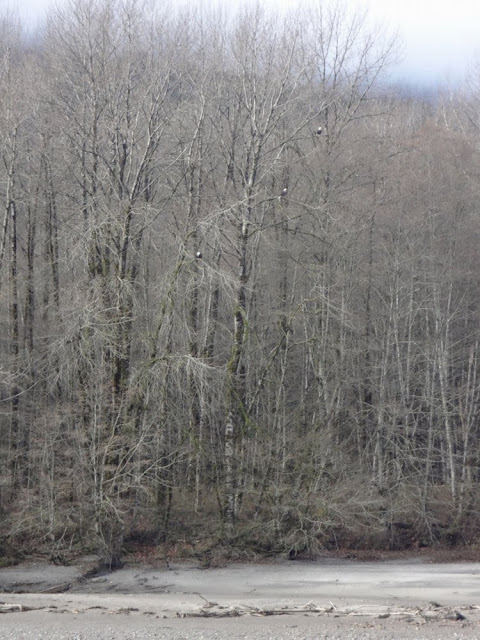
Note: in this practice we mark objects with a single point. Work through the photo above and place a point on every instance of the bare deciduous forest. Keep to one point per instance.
(239, 279)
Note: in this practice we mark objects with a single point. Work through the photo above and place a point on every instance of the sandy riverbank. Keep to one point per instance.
(327, 598)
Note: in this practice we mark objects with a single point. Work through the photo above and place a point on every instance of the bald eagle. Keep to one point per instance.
(198, 254)
(319, 131)
(284, 192)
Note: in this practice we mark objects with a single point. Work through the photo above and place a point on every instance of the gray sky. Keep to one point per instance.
(441, 37)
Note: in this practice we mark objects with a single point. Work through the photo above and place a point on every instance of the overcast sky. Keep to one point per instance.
(441, 37)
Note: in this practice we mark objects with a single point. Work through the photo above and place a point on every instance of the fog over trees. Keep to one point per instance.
(239, 286)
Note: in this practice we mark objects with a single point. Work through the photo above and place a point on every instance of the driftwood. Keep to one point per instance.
(434, 612)
(214, 610)
(6, 607)
(57, 588)
(34, 587)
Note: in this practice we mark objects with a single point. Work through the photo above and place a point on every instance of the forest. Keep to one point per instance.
(239, 286)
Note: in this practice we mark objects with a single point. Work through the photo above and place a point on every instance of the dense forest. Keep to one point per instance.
(239, 286)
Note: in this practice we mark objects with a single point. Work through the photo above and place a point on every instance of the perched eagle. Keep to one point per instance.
(319, 131)
(284, 192)
(198, 254)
